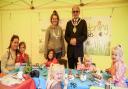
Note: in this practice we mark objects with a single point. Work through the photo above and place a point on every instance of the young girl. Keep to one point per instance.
(55, 76)
(88, 65)
(118, 68)
(50, 58)
(22, 57)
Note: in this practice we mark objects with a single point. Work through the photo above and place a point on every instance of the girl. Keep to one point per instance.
(22, 57)
(118, 68)
(88, 65)
(51, 58)
(55, 77)
(9, 58)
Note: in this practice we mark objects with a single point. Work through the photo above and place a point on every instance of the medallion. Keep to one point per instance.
(74, 29)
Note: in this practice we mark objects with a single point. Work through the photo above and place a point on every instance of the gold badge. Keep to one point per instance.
(74, 29)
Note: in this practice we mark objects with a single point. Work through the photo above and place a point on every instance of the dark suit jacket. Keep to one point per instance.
(80, 35)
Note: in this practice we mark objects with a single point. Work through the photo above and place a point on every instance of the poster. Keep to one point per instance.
(99, 34)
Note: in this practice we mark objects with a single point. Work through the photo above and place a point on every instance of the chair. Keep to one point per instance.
(0, 66)
(94, 64)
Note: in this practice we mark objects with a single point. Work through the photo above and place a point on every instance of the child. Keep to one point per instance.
(55, 77)
(50, 58)
(22, 57)
(118, 68)
(88, 65)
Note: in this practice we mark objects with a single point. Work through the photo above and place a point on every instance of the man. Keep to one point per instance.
(75, 35)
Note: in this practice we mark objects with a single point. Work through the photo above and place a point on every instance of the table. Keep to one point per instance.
(27, 84)
(72, 84)
(78, 84)
(90, 81)
(94, 87)
(40, 82)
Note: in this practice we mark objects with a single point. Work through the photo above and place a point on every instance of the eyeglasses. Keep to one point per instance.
(75, 11)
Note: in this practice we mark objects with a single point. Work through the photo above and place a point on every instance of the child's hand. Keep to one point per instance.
(108, 70)
(110, 80)
(44, 62)
(51, 64)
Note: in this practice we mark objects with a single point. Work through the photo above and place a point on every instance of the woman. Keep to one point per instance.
(54, 37)
(8, 59)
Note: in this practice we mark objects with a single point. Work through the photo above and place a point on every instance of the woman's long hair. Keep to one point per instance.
(12, 39)
(48, 54)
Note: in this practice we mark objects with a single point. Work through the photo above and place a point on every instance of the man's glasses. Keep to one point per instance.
(75, 11)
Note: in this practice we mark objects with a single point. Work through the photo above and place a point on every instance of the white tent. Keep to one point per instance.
(48, 4)
(28, 18)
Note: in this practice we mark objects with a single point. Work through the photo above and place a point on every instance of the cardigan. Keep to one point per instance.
(8, 61)
(54, 39)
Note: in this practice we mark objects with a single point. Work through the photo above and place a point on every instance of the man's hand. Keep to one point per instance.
(73, 41)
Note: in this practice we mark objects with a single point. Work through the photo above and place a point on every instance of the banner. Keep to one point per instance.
(99, 34)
